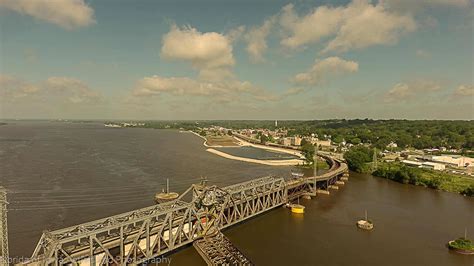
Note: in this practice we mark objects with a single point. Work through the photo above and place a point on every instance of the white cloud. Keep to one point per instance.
(68, 14)
(408, 90)
(222, 91)
(52, 90)
(207, 52)
(322, 22)
(236, 33)
(366, 25)
(358, 25)
(74, 90)
(293, 91)
(210, 53)
(464, 90)
(12, 88)
(256, 39)
(322, 70)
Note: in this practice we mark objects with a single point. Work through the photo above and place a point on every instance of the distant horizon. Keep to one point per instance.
(270, 120)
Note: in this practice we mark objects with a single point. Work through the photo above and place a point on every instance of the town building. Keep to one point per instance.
(433, 166)
(296, 141)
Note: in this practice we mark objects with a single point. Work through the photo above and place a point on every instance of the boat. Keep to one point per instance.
(296, 175)
(462, 245)
(296, 208)
(166, 196)
(365, 224)
(112, 125)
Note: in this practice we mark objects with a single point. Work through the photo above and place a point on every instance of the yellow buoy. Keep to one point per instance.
(296, 208)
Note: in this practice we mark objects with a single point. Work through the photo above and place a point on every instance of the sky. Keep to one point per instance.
(228, 59)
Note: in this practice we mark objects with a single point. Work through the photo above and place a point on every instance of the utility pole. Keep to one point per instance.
(315, 160)
(4, 256)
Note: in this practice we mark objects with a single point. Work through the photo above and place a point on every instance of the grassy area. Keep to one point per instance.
(427, 178)
(221, 141)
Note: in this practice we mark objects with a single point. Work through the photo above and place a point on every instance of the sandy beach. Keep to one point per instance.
(242, 142)
(249, 160)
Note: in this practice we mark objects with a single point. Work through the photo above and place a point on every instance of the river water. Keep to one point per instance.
(61, 174)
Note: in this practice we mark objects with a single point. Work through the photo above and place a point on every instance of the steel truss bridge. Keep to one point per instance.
(198, 214)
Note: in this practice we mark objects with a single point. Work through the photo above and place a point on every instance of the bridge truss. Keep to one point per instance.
(138, 236)
(141, 235)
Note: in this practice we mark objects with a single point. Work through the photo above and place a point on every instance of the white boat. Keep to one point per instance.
(365, 224)
(112, 125)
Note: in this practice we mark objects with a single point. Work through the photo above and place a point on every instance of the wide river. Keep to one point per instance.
(61, 174)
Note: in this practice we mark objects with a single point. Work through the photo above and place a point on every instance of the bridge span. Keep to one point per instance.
(198, 214)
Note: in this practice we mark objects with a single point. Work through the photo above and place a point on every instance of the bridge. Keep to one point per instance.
(197, 216)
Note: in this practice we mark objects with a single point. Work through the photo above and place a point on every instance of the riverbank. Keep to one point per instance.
(426, 178)
(217, 142)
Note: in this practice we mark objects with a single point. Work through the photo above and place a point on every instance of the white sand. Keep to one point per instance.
(265, 162)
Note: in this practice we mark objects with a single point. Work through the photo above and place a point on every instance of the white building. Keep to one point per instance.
(286, 141)
(392, 145)
(412, 163)
(296, 141)
(457, 161)
(433, 166)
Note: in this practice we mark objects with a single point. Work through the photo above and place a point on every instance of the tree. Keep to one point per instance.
(338, 139)
(263, 139)
(355, 141)
(358, 157)
(308, 152)
(469, 191)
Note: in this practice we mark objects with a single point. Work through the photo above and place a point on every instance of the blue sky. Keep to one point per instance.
(236, 59)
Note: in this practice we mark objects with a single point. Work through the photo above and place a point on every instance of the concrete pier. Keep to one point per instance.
(333, 187)
(322, 191)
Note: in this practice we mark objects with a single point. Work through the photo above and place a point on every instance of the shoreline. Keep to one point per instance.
(288, 162)
(291, 162)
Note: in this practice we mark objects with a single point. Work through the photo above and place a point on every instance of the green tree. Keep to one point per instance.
(358, 157)
(308, 152)
(263, 139)
(355, 141)
(469, 191)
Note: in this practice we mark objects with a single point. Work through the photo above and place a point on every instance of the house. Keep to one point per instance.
(392, 145)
